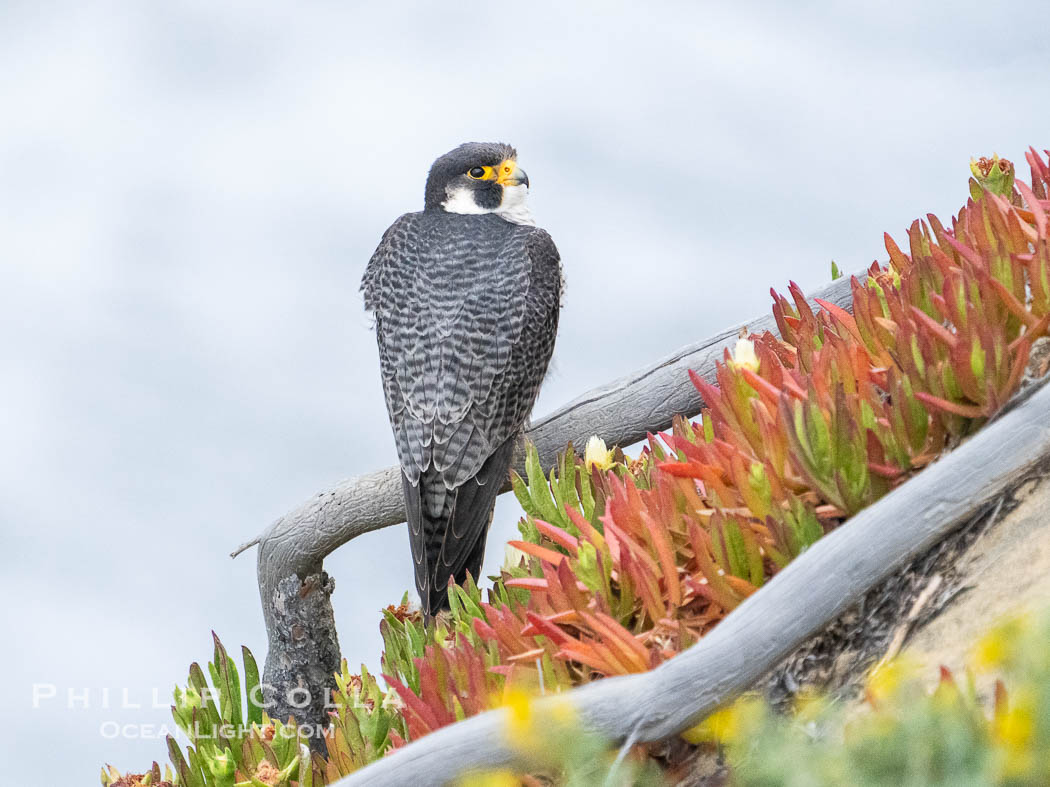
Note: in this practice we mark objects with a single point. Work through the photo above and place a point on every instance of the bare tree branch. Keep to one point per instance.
(621, 412)
(308, 653)
(812, 591)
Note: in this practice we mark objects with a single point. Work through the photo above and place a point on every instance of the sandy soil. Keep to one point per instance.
(1006, 570)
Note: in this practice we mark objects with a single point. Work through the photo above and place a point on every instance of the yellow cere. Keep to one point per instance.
(507, 168)
(501, 173)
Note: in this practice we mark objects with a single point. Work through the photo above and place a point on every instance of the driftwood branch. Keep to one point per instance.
(621, 412)
(307, 654)
(812, 591)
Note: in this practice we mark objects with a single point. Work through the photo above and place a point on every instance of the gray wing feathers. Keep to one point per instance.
(466, 315)
(466, 323)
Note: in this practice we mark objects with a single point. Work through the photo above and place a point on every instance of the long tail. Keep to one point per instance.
(447, 528)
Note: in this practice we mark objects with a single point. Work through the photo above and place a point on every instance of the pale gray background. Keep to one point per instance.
(189, 192)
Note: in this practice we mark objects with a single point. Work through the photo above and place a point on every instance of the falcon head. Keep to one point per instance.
(480, 177)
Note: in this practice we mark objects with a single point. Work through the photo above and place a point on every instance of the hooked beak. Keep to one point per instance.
(510, 174)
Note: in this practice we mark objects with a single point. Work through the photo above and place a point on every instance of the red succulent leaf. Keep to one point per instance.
(955, 408)
(558, 536)
(542, 553)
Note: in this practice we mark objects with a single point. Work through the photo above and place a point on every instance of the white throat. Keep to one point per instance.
(514, 207)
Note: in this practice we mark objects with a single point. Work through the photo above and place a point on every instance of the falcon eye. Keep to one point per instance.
(477, 173)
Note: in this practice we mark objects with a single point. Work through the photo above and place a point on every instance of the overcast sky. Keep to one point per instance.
(189, 193)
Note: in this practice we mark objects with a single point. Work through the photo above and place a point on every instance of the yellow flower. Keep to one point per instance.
(521, 727)
(1016, 727)
(532, 730)
(498, 778)
(519, 704)
(744, 354)
(991, 651)
(1014, 731)
(999, 646)
(726, 725)
(597, 454)
(886, 679)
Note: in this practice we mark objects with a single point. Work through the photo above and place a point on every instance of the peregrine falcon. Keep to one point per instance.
(466, 296)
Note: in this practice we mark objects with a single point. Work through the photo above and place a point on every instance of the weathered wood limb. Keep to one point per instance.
(290, 553)
(812, 591)
(306, 653)
(621, 412)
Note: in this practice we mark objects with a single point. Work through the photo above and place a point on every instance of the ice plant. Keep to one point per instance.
(744, 354)
(627, 565)
(908, 734)
(623, 564)
(597, 454)
(994, 174)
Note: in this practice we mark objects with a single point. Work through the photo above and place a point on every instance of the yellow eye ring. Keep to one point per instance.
(480, 173)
